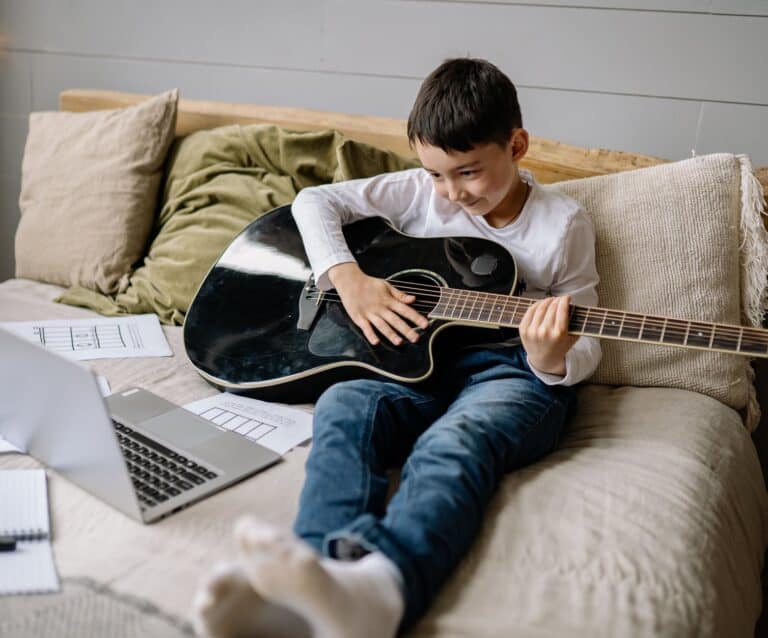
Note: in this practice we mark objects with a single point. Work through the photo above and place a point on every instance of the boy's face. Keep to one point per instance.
(483, 181)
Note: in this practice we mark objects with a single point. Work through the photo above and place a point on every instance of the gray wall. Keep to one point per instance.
(664, 78)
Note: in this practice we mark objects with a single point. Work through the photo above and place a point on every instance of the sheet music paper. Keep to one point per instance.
(24, 515)
(273, 425)
(97, 338)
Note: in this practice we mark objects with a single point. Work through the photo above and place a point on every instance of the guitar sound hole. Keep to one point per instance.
(425, 286)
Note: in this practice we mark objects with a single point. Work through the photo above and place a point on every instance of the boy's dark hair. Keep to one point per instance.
(462, 103)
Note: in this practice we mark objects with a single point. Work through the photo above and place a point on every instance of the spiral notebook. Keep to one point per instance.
(24, 516)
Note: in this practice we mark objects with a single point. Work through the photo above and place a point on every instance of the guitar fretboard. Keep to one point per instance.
(508, 311)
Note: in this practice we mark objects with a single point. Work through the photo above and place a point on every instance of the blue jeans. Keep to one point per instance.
(482, 415)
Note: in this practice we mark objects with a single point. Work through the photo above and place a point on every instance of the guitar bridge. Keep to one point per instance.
(309, 304)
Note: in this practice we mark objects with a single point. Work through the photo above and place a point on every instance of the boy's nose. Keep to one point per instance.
(454, 193)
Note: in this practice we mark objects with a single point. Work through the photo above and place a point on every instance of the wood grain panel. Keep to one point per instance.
(550, 161)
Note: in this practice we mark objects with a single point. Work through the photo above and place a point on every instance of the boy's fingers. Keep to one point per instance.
(401, 295)
(551, 316)
(398, 324)
(385, 329)
(540, 311)
(409, 313)
(368, 332)
(564, 311)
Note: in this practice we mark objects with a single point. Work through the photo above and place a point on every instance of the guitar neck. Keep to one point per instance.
(491, 309)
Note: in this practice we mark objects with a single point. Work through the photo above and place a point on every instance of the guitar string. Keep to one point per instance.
(452, 294)
(456, 294)
(580, 313)
(629, 320)
(670, 326)
(719, 339)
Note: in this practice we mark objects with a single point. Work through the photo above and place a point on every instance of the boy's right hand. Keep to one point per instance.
(372, 302)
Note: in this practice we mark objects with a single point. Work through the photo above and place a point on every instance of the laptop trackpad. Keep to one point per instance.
(180, 427)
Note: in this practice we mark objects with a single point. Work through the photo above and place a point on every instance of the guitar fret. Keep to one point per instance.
(497, 309)
(697, 335)
(464, 305)
(487, 299)
(650, 332)
(514, 312)
(503, 319)
(631, 329)
(725, 340)
(472, 307)
(592, 326)
(441, 307)
(752, 341)
(663, 330)
(456, 312)
(501, 309)
(674, 331)
(611, 327)
(586, 318)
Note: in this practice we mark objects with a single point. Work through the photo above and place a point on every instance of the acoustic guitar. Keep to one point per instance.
(259, 325)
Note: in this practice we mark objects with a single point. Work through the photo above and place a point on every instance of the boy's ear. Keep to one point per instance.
(518, 144)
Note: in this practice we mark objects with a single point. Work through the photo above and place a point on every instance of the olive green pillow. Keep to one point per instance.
(217, 182)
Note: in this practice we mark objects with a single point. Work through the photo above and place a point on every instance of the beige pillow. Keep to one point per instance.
(682, 240)
(89, 192)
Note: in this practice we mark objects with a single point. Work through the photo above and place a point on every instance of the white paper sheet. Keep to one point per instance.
(273, 425)
(28, 569)
(98, 338)
(24, 514)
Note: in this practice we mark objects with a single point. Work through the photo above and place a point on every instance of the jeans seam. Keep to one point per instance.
(366, 487)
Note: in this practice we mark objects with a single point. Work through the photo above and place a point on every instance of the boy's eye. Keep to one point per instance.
(468, 173)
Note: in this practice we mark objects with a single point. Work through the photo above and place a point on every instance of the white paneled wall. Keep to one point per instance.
(661, 78)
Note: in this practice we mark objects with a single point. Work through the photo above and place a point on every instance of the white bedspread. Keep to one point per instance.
(650, 520)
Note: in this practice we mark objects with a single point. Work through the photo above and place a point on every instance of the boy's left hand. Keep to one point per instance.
(544, 333)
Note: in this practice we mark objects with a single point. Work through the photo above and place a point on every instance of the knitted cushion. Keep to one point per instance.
(89, 192)
(682, 240)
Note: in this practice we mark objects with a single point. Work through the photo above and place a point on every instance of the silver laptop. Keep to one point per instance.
(143, 455)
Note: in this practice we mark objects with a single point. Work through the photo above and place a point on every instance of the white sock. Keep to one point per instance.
(226, 606)
(337, 599)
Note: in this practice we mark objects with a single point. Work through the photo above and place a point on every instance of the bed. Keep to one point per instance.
(651, 518)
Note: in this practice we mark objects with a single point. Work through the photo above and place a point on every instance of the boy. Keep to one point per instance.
(357, 565)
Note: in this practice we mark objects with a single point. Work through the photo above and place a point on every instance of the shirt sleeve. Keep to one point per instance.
(321, 211)
(577, 276)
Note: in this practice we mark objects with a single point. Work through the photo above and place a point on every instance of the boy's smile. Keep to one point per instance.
(484, 181)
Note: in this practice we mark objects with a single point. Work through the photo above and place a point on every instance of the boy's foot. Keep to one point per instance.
(337, 599)
(226, 606)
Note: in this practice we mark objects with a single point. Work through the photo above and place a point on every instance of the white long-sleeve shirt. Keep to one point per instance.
(552, 239)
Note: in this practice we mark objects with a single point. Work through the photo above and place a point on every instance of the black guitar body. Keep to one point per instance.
(259, 326)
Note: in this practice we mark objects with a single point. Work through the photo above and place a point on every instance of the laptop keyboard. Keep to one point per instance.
(157, 472)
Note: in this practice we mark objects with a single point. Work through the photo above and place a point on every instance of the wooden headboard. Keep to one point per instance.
(550, 161)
